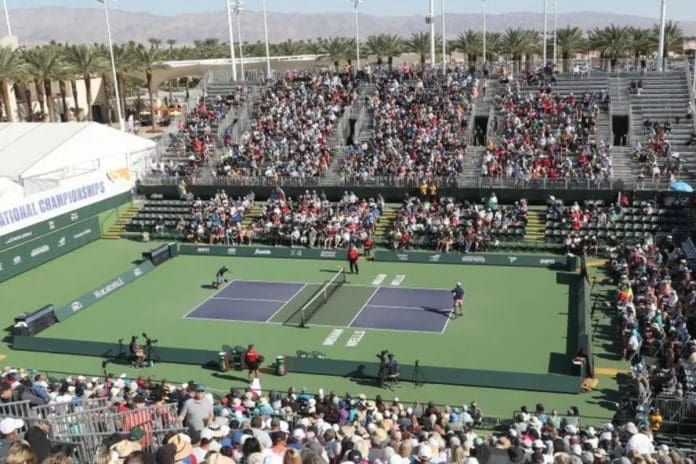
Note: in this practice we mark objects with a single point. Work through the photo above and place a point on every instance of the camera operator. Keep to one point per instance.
(382, 373)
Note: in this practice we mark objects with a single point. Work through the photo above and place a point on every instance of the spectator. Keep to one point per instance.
(197, 412)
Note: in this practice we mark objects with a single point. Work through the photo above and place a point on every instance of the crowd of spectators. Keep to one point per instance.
(291, 126)
(657, 157)
(313, 221)
(655, 302)
(451, 225)
(196, 132)
(217, 221)
(419, 127)
(251, 426)
(544, 135)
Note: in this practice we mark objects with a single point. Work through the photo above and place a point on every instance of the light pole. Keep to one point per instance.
(237, 6)
(231, 34)
(121, 122)
(357, 35)
(661, 46)
(484, 32)
(444, 40)
(7, 18)
(555, 29)
(546, 30)
(431, 21)
(265, 33)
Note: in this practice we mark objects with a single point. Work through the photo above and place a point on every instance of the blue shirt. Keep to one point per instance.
(458, 293)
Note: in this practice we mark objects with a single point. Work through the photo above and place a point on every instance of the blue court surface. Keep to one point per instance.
(412, 309)
(388, 308)
(247, 301)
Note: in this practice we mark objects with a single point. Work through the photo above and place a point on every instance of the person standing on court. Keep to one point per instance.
(458, 297)
(253, 359)
(353, 255)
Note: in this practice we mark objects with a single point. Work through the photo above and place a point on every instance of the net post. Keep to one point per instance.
(302, 318)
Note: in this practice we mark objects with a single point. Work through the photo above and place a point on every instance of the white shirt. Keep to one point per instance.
(641, 444)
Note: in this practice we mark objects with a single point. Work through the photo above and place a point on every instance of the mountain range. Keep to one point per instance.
(84, 25)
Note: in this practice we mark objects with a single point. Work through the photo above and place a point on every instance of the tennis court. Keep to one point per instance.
(385, 308)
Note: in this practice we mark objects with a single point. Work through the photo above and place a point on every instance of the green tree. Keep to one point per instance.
(288, 48)
(124, 58)
(612, 42)
(519, 42)
(12, 70)
(148, 60)
(337, 48)
(674, 37)
(419, 43)
(46, 64)
(384, 46)
(643, 42)
(570, 41)
(86, 61)
(470, 43)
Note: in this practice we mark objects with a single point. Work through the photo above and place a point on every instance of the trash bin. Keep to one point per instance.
(223, 361)
(280, 366)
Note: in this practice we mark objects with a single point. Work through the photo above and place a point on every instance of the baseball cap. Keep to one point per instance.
(354, 456)
(425, 453)
(10, 424)
(199, 388)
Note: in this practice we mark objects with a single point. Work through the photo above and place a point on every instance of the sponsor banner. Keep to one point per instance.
(104, 290)
(262, 252)
(35, 252)
(72, 194)
(555, 262)
(37, 230)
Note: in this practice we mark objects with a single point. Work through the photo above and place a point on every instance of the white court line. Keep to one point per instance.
(409, 307)
(236, 321)
(323, 326)
(363, 306)
(449, 317)
(185, 316)
(379, 279)
(286, 302)
(248, 299)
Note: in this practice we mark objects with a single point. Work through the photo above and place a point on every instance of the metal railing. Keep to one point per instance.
(690, 84)
(572, 184)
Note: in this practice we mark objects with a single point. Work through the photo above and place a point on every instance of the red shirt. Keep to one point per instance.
(353, 254)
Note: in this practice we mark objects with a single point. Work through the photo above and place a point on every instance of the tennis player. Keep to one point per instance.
(458, 297)
(220, 277)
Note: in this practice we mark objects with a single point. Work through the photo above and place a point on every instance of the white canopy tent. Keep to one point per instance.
(40, 156)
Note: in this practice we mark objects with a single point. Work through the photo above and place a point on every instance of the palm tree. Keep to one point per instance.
(11, 70)
(470, 43)
(288, 48)
(419, 43)
(674, 37)
(149, 60)
(124, 58)
(209, 48)
(643, 42)
(45, 64)
(255, 49)
(86, 60)
(384, 46)
(492, 44)
(570, 41)
(338, 48)
(314, 47)
(154, 42)
(517, 42)
(612, 42)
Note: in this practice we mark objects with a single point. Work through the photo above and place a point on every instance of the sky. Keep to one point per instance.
(676, 9)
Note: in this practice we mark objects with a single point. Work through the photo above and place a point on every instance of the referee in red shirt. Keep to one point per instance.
(353, 255)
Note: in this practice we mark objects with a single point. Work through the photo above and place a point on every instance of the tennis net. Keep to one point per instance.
(318, 300)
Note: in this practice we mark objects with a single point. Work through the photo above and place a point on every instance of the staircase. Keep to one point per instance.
(536, 226)
(471, 171)
(251, 216)
(118, 228)
(382, 227)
